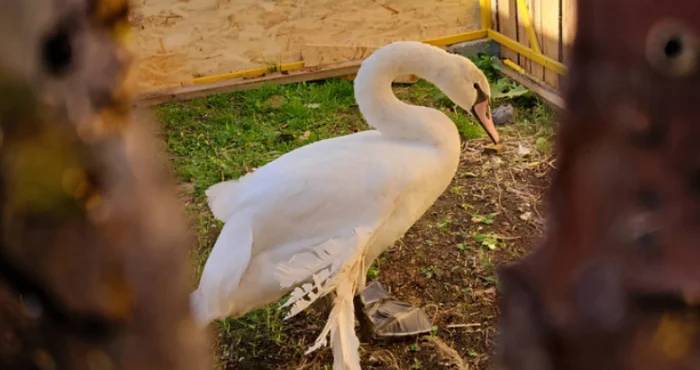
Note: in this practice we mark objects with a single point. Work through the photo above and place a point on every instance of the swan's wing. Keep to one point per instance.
(306, 205)
(223, 270)
(345, 171)
(322, 264)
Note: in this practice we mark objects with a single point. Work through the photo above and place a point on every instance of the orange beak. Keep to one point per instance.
(482, 111)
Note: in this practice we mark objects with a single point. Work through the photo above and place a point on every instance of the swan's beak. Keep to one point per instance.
(482, 111)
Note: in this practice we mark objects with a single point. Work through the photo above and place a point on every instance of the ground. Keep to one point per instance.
(446, 263)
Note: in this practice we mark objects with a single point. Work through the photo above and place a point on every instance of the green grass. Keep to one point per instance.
(225, 136)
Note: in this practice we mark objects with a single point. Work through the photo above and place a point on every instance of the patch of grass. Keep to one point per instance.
(224, 136)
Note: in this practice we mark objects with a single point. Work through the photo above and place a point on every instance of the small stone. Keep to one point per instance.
(523, 150)
(493, 149)
(276, 101)
(503, 115)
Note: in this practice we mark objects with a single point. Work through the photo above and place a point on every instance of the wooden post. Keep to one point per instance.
(551, 36)
(508, 25)
(485, 14)
(537, 70)
(568, 18)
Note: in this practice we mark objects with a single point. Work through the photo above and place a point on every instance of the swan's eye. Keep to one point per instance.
(672, 49)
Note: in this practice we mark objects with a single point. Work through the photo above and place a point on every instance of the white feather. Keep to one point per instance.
(332, 253)
(341, 321)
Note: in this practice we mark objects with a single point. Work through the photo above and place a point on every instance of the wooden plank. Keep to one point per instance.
(494, 14)
(537, 70)
(321, 55)
(315, 55)
(485, 6)
(568, 28)
(406, 79)
(524, 39)
(552, 36)
(548, 94)
(508, 25)
(198, 91)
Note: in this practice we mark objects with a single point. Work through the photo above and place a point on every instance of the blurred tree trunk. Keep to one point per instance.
(93, 244)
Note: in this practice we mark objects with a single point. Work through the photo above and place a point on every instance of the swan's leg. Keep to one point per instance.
(386, 318)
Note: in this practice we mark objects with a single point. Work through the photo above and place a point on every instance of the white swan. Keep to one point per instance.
(322, 213)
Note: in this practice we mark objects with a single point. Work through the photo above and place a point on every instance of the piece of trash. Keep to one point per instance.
(305, 136)
(313, 106)
(523, 150)
(493, 149)
(387, 319)
(527, 216)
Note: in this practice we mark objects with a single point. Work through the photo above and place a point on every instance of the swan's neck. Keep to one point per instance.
(388, 114)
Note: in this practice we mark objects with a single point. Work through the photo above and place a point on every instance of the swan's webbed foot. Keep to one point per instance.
(384, 318)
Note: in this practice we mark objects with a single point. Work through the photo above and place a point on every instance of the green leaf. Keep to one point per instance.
(511, 93)
(484, 219)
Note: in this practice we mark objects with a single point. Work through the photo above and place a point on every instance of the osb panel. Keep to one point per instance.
(181, 39)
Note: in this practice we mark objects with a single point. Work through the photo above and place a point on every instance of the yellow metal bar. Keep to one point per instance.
(255, 72)
(514, 66)
(545, 61)
(460, 37)
(527, 22)
(486, 23)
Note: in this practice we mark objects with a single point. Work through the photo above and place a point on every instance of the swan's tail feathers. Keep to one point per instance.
(228, 261)
(341, 321)
(220, 198)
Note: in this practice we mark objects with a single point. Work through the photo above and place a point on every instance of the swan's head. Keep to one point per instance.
(469, 88)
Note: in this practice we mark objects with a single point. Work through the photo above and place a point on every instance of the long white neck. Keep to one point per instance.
(388, 114)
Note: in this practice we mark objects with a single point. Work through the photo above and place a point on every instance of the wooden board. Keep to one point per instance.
(314, 55)
(494, 14)
(549, 11)
(318, 55)
(568, 28)
(177, 40)
(550, 95)
(508, 25)
(524, 39)
(537, 70)
(228, 86)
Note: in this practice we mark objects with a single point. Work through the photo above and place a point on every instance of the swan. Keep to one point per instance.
(312, 221)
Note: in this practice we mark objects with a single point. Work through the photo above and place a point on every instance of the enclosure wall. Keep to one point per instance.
(554, 23)
(178, 40)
